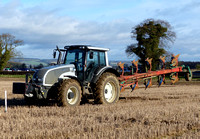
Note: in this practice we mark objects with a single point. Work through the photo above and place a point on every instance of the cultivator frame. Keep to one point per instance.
(132, 80)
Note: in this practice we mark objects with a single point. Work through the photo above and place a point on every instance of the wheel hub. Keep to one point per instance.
(70, 95)
(108, 92)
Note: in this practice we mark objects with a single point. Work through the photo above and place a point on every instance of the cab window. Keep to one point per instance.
(102, 58)
(97, 58)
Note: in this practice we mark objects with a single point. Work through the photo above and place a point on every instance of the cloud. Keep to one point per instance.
(45, 24)
(191, 6)
(190, 57)
(43, 29)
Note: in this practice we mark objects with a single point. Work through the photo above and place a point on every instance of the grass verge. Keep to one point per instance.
(12, 76)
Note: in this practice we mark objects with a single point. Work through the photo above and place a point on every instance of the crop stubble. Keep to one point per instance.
(165, 112)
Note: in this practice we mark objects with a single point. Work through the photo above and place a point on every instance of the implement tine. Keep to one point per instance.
(121, 65)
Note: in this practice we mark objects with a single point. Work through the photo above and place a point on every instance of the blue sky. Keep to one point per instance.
(43, 24)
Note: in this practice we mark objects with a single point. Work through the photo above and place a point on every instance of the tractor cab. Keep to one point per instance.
(86, 59)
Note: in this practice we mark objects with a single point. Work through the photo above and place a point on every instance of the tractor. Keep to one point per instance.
(82, 72)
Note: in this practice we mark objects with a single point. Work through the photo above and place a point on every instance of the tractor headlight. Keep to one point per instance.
(38, 80)
(38, 76)
(73, 69)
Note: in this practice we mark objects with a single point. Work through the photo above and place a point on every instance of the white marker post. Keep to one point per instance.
(5, 101)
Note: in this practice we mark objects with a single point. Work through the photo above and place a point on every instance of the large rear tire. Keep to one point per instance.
(69, 93)
(107, 89)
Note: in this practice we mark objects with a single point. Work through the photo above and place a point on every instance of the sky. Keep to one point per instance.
(43, 24)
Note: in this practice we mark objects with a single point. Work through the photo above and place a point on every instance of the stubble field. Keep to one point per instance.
(171, 111)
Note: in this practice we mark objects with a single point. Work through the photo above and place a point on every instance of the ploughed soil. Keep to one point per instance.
(170, 111)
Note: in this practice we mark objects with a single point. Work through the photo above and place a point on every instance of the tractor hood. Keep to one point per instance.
(48, 76)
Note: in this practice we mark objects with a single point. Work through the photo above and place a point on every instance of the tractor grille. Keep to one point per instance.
(53, 75)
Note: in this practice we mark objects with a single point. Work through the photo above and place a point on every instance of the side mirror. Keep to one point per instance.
(91, 55)
(54, 54)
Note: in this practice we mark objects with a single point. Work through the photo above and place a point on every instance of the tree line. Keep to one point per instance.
(22, 66)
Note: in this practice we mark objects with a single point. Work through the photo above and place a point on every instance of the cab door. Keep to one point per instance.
(95, 60)
(77, 57)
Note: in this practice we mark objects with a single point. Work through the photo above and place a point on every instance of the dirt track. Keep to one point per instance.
(168, 111)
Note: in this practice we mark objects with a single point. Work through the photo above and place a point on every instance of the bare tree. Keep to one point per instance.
(8, 43)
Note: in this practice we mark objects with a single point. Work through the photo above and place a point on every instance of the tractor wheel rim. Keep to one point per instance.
(109, 91)
(75, 93)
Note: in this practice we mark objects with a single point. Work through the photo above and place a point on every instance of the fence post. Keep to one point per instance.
(5, 101)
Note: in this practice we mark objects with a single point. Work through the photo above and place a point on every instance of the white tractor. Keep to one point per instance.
(82, 72)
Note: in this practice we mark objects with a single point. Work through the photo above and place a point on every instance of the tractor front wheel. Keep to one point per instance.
(69, 93)
(107, 89)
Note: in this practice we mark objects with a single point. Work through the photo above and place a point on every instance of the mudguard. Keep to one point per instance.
(100, 71)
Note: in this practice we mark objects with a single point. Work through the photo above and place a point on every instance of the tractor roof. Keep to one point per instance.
(85, 47)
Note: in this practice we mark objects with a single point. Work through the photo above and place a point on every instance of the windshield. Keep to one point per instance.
(74, 56)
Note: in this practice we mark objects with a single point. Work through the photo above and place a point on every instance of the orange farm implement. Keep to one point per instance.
(174, 71)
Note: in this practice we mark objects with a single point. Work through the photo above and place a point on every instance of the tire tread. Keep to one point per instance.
(98, 89)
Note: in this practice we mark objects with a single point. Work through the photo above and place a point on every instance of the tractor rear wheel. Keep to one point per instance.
(69, 93)
(107, 89)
